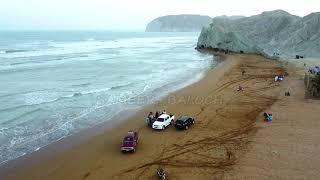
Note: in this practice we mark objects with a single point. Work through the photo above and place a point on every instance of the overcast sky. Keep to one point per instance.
(130, 14)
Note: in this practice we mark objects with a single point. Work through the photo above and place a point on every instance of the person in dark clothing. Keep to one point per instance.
(150, 119)
(157, 114)
(268, 117)
(150, 116)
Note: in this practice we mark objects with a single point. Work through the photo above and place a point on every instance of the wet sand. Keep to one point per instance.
(217, 146)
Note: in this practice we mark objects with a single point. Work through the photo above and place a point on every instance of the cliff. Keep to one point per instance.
(312, 83)
(178, 23)
(273, 33)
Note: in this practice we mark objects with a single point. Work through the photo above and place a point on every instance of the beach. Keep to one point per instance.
(227, 141)
(73, 81)
(287, 148)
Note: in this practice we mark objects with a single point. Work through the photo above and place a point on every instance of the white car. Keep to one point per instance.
(163, 121)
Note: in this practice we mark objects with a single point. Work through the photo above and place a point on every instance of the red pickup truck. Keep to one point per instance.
(130, 142)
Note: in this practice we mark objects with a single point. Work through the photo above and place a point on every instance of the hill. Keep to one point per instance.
(178, 23)
(269, 34)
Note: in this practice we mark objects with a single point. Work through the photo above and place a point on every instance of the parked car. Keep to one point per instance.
(184, 122)
(163, 121)
(130, 142)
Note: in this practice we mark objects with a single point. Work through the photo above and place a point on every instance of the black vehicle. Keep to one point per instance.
(184, 122)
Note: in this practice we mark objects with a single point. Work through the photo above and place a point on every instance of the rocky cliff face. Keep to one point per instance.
(178, 23)
(312, 83)
(267, 33)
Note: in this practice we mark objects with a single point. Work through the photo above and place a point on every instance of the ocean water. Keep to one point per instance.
(53, 84)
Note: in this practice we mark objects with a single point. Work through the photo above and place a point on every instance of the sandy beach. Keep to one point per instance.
(229, 139)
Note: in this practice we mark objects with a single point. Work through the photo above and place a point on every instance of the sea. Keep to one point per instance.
(56, 83)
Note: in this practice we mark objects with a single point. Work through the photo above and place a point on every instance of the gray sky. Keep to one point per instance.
(130, 14)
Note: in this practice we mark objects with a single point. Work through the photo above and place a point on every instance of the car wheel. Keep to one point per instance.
(193, 122)
(163, 127)
(134, 150)
(187, 127)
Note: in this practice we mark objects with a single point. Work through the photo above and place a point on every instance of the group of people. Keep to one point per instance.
(276, 54)
(240, 88)
(279, 78)
(267, 116)
(152, 117)
(315, 70)
(299, 57)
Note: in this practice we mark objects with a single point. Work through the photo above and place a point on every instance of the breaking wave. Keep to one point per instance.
(56, 85)
(13, 51)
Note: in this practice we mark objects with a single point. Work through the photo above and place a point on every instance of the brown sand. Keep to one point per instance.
(216, 144)
(288, 147)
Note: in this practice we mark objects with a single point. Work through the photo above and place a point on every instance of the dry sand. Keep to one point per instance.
(227, 140)
(287, 148)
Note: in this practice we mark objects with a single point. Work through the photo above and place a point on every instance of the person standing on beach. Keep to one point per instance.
(150, 119)
(240, 88)
(150, 116)
(157, 115)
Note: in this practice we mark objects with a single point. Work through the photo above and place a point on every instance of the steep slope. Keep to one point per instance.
(178, 23)
(267, 33)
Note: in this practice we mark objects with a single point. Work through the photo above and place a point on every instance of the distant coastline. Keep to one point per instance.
(178, 23)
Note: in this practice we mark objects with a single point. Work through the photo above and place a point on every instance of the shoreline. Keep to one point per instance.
(131, 109)
(65, 143)
(84, 135)
(70, 141)
(107, 145)
(34, 117)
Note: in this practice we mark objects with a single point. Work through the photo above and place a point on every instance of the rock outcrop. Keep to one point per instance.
(312, 83)
(178, 23)
(230, 17)
(272, 34)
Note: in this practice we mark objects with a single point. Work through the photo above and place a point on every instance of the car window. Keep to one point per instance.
(179, 122)
(160, 119)
(128, 139)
